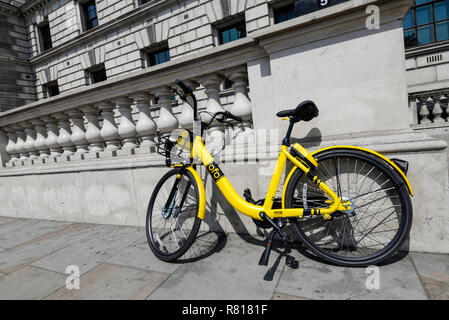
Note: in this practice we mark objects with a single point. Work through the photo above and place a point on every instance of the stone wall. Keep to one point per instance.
(16, 76)
(126, 30)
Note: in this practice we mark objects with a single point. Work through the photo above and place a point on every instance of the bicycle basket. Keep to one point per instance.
(176, 147)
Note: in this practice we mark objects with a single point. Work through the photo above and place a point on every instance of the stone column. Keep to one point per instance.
(127, 128)
(146, 127)
(109, 130)
(11, 146)
(65, 133)
(30, 140)
(41, 138)
(424, 112)
(20, 142)
(413, 110)
(437, 110)
(216, 132)
(167, 121)
(242, 104)
(186, 117)
(93, 131)
(78, 137)
(52, 136)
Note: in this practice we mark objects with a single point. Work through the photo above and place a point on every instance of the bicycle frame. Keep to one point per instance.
(200, 152)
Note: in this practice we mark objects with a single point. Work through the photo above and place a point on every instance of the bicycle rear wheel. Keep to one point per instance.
(172, 216)
(382, 211)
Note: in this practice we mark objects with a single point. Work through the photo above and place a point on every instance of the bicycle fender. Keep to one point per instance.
(202, 193)
(376, 154)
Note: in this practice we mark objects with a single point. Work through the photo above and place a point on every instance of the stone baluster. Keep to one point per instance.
(242, 105)
(30, 141)
(52, 136)
(413, 110)
(146, 127)
(167, 121)
(444, 97)
(78, 136)
(20, 142)
(65, 133)
(109, 130)
(212, 84)
(41, 138)
(93, 131)
(11, 146)
(186, 117)
(127, 128)
(424, 111)
(437, 110)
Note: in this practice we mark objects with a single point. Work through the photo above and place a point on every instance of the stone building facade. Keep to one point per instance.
(101, 78)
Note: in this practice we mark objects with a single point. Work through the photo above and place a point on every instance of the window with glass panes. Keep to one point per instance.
(89, 9)
(232, 33)
(158, 57)
(44, 32)
(426, 22)
(284, 13)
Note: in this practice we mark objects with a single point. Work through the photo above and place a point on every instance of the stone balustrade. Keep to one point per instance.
(124, 124)
(429, 109)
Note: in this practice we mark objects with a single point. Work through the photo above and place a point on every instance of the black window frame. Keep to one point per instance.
(149, 54)
(235, 24)
(88, 23)
(432, 23)
(51, 89)
(45, 36)
(95, 73)
(290, 7)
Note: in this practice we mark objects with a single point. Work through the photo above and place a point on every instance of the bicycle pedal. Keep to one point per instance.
(292, 262)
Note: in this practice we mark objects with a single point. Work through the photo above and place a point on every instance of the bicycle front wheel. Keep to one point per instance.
(172, 216)
(380, 218)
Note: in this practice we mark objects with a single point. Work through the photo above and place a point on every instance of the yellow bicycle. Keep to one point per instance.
(349, 205)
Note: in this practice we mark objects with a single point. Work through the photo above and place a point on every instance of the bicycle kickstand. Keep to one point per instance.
(290, 260)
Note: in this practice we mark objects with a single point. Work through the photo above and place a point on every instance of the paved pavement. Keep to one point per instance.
(115, 262)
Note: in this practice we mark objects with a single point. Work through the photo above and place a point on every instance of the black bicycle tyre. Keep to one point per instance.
(196, 225)
(406, 221)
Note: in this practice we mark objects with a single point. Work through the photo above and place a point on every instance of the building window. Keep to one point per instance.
(96, 74)
(284, 13)
(426, 22)
(232, 32)
(50, 89)
(89, 14)
(45, 36)
(156, 56)
(144, 1)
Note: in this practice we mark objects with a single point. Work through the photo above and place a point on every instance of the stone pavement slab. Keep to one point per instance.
(35, 249)
(7, 220)
(434, 272)
(140, 256)
(232, 273)
(283, 296)
(108, 281)
(30, 283)
(15, 233)
(98, 244)
(317, 280)
(117, 263)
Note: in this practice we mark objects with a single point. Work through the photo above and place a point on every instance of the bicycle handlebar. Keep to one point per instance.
(232, 116)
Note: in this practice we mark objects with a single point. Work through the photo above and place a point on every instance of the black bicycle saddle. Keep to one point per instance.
(305, 111)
